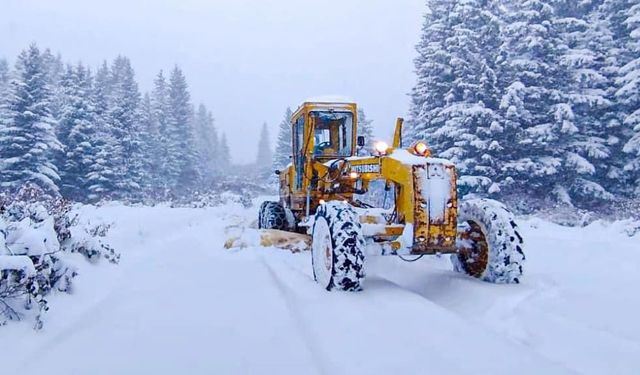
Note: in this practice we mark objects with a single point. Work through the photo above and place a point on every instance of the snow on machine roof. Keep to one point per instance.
(329, 99)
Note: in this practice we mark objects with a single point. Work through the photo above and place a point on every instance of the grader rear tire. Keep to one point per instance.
(490, 246)
(272, 215)
(338, 247)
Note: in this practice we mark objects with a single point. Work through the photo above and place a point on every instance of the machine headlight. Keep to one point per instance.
(420, 148)
(380, 148)
(354, 175)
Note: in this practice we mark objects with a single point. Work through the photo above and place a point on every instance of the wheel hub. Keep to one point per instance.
(328, 255)
(322, 250)
(474, 256)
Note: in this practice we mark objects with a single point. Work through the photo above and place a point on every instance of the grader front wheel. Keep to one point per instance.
(337, 247)
(490, 246)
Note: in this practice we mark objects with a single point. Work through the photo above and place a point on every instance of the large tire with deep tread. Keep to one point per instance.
(272, 215)
(490, 246)
(338, 247)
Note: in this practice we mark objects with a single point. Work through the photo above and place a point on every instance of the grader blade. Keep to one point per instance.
(294, 242)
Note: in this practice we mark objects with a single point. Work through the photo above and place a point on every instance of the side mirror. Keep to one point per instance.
(360, 141)
(277, 172)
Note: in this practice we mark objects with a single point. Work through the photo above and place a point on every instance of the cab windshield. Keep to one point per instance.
(333, 133)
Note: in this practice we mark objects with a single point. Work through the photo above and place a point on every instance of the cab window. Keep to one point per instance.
(299, 135)
(298, 158)
(333, 133)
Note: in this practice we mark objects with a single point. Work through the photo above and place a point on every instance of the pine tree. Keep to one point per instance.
(160, 107)
(102, 90)
(27, 137)
(530, 72)
(587, 42)
(104, 171)
(4, 88)
(629, 92)
(207, 143)
(54, 70)
(182, 165)
(365, 129)
(455, 100)
(124, 100)
(4, 76)
(433, 71)
(282, 154)
(224, 156)
(215, 144)
(76, 132)
(149, 145)
(264, 155)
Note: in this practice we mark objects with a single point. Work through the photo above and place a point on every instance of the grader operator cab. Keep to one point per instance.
(396, 201)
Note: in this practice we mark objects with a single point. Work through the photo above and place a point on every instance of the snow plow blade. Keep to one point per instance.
(295, 242)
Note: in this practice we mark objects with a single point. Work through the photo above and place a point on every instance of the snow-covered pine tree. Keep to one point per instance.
(215, 144)
(27, 135)
(4, 87)
(76, 132)
(4, 76)
(55, 69)
(224, 154)
(282, 154)
(455, 100)
(124, 100)
(607, 21)
(102, 90)
(103, 172)
(207, 137)
(264, 156)
(433, 72)
(587, 41)
(365, 129)
(537, 159)
(629, 92)
(149, 146)
(182, 166)
(160, 106)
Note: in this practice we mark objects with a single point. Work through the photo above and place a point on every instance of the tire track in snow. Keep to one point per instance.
(507, 317)
(315, 351)
(365, 314)
(124, 272)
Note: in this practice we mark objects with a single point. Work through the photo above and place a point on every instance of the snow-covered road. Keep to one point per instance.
(179, 303)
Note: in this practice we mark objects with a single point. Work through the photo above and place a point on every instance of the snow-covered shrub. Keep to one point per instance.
(38, 234)
(225, 191)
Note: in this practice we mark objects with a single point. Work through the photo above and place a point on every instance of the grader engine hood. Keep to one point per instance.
(429, 201)
(435, 219)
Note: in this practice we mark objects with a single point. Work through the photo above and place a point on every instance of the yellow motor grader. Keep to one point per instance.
(394, 201)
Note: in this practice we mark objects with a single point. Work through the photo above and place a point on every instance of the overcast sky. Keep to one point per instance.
(247, 60)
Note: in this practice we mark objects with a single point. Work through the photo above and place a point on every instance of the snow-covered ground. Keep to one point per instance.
(180, 303)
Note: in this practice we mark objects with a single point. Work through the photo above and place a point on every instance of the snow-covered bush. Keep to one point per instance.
(225, 191)
(38, 234)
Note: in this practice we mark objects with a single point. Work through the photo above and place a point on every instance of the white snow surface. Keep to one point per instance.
(405, 157)
(17, 263)
(178, 302)
(27, 238)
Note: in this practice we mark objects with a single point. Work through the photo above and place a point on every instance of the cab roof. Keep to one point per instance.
(337, 99)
